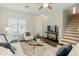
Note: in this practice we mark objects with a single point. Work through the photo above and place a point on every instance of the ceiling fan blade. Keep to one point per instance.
(49, 7)
(40, 7)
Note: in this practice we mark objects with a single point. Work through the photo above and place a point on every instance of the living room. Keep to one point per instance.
(44, 23)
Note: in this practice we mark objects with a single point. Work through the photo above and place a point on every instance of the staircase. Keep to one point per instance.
(71, 34)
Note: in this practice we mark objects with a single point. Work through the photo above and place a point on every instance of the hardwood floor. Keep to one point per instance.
(48, 41)
(51, 42)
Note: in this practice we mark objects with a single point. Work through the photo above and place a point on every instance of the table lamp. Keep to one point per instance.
(7, 29)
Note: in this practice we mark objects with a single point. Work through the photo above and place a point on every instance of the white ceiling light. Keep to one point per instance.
(45, 5)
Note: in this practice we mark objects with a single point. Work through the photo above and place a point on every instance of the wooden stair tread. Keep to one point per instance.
(69, 41)
(72, 35)
(72, 38)
(72, 25)
(71, 29)
(65, 43)
(75, 19)
(74, 22)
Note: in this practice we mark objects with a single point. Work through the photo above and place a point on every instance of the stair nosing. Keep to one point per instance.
(71, 33)
(69, 42)
(71, 39)
(65, 43)
(72, 36)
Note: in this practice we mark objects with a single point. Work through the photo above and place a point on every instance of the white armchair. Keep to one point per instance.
(27, 36)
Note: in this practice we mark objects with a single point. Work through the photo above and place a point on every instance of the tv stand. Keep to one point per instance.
(53, 33)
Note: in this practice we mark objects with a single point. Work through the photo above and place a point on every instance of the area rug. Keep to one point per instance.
(45, 50)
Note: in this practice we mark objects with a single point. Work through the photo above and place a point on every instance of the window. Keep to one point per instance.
(18, 26)
(74, 10)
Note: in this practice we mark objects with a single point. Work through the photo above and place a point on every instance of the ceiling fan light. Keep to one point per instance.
(45, 5)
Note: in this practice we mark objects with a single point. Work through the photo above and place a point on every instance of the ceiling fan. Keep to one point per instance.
(45, 5)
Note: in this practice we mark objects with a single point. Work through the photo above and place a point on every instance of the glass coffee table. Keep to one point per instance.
(36, 43)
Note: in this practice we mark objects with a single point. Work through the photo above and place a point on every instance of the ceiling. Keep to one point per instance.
(33, 9)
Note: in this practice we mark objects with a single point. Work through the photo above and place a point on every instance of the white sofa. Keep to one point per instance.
(19, 50)
(7, 52)
(4, 51)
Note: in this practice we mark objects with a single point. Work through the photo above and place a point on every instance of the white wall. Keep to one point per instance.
(8, 13)
(66, 16)
(60, 18)
(41, 24)
(55, 19)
